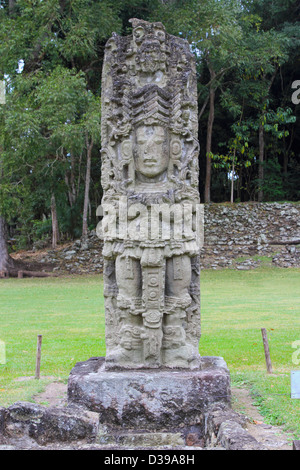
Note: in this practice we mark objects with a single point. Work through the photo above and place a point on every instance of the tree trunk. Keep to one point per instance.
(261, 143)
(11, 7)
(55, 229)
(6, 262)
(210, 122)
(87, 190)
(232, 176)
(286, 154)
(70, 182)
(285, 165)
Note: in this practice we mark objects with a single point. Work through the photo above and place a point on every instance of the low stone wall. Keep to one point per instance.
(28, 426)
(238, 236)
(244, 235)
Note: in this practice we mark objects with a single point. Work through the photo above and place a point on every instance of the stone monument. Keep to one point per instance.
(152, 376)
(150, 167)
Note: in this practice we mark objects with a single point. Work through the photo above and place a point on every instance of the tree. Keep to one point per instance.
(214, 33)
(91, 126)
(235, 53)
(265, 52)
(61, 47)
(51, 55)
(281, 20)
(6, 262)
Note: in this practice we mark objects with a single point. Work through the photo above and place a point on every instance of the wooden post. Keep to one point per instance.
(38, 357)
(267, 352)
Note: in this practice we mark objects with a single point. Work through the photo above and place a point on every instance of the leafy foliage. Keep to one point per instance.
(51, 56)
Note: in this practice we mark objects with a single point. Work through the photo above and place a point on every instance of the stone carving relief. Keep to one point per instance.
(150, 181)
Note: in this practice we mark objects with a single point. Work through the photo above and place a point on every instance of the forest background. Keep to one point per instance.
(51, 56)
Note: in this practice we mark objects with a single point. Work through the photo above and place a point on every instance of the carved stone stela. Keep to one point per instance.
(152, 380)
(150, 163)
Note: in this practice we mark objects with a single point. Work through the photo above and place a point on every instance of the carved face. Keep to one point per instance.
(151, 150)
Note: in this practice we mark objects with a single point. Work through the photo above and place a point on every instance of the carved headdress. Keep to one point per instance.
(148, 79)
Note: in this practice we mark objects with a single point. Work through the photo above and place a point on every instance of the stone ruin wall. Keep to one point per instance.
(243, 235)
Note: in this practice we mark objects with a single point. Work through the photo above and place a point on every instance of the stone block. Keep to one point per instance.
(232, 436)
(20, 417)
(65, 425)
(296, 445)
(2, 424)
(151, 439)
(149, 399)
(50, 424)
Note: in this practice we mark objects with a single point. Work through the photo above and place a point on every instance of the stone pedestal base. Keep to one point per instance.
(150, 401)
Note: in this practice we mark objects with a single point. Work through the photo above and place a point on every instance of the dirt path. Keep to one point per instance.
(55, 394)
(272, 437)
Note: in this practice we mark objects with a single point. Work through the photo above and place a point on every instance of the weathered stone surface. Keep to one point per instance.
(149, 399)
(219, 413)
(50, 424)
(150, 170)
(233, 437)
(65, 424)
(30, 426)
(21, 416)
(236, 233)
(2, 424)
(296, 445)
(150, 439)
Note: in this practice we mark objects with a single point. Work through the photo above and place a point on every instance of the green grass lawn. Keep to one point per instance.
(235, 305)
